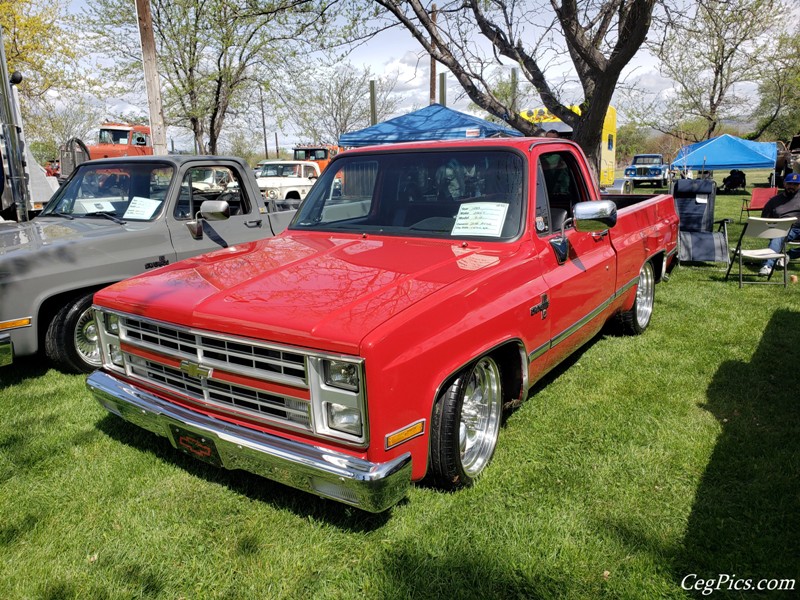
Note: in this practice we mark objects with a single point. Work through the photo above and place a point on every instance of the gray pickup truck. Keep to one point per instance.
(115, 218)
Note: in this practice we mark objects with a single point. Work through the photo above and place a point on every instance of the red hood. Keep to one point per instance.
(302, 289)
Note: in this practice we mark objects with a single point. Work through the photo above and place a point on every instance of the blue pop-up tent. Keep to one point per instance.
(727, 152)
(434, 122)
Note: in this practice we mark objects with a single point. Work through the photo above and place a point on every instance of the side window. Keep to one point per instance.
(560, 182)
(610, 141)
(310, 172)
(210, 183)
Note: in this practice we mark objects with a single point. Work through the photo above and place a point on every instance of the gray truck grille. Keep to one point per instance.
(643, 171)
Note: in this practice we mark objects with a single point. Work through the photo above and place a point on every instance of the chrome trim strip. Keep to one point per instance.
(626, 287)
(581, 322)
(6, 350)
(373, 487)
(538, 352)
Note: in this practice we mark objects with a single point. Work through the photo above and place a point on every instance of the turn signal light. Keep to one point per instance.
(405, 434)
(15, 323)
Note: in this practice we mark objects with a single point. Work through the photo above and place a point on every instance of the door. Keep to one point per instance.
(582, 286)
(214, 182)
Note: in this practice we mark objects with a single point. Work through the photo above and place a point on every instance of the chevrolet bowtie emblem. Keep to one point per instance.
(193, 369)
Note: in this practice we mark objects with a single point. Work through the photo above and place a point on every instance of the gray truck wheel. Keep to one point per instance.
(636, 320)
(466, 424)
(71, 339)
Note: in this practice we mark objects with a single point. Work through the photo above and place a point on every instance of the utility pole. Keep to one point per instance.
(373, 110)
(514, 91)
(158, 130)
(263, 122)
(433, 60)
(442, 89)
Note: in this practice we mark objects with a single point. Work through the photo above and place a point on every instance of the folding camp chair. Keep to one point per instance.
(699, 240)
(768, 229)
(758, 199)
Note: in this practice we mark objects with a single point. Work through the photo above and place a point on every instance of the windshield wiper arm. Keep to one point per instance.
(107, 215)
(60, 214)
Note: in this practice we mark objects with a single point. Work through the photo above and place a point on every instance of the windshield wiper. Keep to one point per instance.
(59, 214)
(107, 215)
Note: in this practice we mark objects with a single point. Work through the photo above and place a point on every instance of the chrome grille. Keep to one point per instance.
(234, 355)
(223, 394)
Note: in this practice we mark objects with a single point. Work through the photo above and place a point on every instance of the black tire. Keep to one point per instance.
(636, 320)
(465, 425)
(71, 337)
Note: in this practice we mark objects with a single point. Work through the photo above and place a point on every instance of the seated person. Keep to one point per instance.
(450, 181)
(785, 204)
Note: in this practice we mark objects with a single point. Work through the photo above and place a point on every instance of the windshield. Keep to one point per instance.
(310, 154)
(647, 160)
(127, 191)
(453, 194)
(280, 170)
(113, 136)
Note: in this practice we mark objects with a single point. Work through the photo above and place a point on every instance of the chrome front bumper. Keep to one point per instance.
(6, 350)
(373, 487)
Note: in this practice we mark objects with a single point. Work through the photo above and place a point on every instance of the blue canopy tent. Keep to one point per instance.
(726, 152)
(434, 122)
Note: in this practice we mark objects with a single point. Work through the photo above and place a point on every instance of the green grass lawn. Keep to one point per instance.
(641, 461)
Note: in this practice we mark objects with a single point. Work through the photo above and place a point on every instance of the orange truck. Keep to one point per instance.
(121, 139)
(114, 140)
(320, 154)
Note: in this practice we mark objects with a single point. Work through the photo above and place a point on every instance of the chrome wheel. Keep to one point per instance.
(479, 422)
(85, 338)
(645, 293)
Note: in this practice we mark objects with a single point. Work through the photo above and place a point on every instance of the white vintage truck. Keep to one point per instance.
(286, 182)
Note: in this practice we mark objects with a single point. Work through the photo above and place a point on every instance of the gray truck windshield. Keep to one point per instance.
(130, 192)
(453, 194)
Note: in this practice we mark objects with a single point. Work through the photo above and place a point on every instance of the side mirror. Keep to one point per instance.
(210, 210)
(594, 217)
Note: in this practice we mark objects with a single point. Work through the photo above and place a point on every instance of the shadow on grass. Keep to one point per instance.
(410, 571)
(745, 521)
(27, 367)
(254, 487)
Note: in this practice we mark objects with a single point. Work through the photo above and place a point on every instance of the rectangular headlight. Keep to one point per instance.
(341, 374)
(342, 418)
(338, 398)
(111, 323)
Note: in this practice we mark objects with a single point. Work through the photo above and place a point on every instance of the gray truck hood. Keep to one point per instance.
(53, 232)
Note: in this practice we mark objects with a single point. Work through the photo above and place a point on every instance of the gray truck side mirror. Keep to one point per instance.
(210, 210)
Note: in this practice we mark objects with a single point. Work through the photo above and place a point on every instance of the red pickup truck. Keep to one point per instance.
(419, 291)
